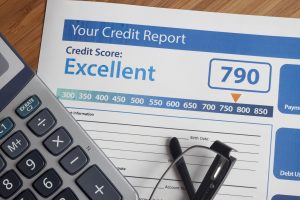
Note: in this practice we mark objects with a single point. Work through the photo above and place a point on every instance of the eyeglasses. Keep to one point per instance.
(205, 167)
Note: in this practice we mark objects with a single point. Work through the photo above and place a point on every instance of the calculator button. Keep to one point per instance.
(26, 195)
(2, 163)
(9, 184)
(66, 194)
(41, 123)
(6, 125)
(74, 160)
(31, 164)
(15, 145)
(48, 183)
(96, 186)
(28, 106)
(59, 141)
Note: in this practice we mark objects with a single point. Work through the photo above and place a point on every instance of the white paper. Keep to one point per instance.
(161, 78)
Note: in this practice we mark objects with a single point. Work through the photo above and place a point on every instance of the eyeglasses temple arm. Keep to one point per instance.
(176, 151)
(217, 172)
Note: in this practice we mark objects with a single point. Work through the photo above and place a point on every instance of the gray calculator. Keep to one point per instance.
(44, 153)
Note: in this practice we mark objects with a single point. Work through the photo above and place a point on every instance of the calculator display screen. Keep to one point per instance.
(3, 65)
(10, 64)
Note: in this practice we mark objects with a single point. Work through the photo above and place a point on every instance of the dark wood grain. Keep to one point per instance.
(21, 21)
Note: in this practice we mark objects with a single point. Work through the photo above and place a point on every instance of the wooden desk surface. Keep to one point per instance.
(21, 21)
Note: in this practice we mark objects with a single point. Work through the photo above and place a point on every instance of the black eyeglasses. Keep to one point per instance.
(208, 167)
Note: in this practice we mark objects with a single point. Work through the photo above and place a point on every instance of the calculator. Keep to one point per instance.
(44, 152)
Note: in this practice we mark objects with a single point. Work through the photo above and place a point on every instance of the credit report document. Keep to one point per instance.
(136, 76)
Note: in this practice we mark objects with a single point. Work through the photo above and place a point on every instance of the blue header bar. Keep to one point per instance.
(181, 39)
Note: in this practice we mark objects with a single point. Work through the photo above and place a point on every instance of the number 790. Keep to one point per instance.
(241, 75)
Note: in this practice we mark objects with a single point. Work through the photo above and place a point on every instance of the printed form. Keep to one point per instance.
(134, 77)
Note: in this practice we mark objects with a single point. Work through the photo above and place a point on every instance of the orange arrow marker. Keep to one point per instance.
(235, 96)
